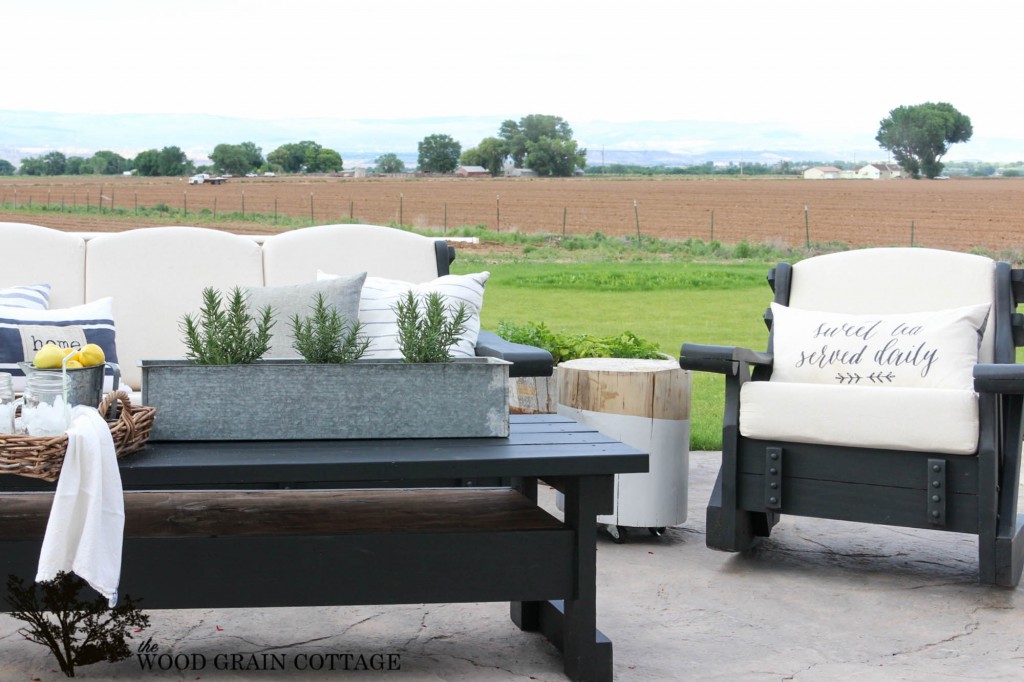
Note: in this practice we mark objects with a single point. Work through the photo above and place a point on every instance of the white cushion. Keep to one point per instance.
(23, 332)
(294, 257)
(40, 254)
(157, 275)
(286, 302)
(32, 296)
(936, 349)
(895, 280)
(380, 295)
(915, 419)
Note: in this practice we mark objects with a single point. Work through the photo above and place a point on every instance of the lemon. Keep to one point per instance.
(68, 351)
(73, 364)
(48, 357)
(91, 355)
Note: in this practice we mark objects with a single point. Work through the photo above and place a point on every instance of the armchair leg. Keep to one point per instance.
(1009, 556)
(734, 530)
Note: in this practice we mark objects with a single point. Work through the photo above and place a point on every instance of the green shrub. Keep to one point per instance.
(565, 346)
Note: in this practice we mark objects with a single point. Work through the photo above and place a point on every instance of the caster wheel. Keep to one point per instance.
(657, 532)
(618, 533)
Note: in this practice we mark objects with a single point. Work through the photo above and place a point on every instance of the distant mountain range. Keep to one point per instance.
(644, 143)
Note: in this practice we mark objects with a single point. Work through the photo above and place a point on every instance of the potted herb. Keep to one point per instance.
(224, 390)
(540, 394)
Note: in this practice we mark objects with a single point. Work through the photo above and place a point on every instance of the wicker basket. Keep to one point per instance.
(43, 456)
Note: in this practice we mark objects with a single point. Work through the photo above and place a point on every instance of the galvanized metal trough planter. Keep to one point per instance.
(292, 400)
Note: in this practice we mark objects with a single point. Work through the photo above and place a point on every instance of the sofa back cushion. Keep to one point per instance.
(156, 276)
(294, 257)
(41, 255)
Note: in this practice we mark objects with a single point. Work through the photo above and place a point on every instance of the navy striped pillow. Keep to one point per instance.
(24, 332)
(34, 297)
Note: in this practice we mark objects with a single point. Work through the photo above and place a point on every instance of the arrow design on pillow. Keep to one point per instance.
(848, 378)
(880, 378)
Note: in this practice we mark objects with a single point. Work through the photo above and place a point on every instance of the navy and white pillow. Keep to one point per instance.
(24, 331)
(33, 297)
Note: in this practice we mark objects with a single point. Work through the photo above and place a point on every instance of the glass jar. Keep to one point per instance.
(7, 403)
(44, 411)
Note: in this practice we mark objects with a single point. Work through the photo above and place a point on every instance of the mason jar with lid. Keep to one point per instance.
(44, 411)
(7, 403)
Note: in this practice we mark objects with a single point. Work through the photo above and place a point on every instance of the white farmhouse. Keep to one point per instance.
(822, 173)
(879, 171)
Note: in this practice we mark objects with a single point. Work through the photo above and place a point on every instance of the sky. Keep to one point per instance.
(797, 71)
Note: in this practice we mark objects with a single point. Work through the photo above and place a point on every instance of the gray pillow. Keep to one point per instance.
(299, 299)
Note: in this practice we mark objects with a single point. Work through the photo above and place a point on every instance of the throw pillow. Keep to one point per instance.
(23, 332)
(298, 299)
(380, 324)
(35, 297)
(936, 349)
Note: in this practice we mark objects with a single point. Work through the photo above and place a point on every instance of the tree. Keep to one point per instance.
(531, 130)
(439, 154)
(920, 135)
(490, 153)
(32, 166)
(106, 162)
(78, 166)
(173, 162)
(237, 159)
(148, 162)
(389, 163)
(324, 161)
(6, 167)
(554, 157)
(54, 163)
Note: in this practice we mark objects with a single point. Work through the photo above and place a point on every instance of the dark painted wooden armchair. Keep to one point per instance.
(888, 394)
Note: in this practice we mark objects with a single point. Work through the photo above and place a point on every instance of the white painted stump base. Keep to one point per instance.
(646, 404)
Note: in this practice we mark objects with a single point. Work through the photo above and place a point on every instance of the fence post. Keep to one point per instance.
(497, 208)
(401, 208)
(311, 219)
(712, 224)
(136, 203)
(807, 228)
(243, 203)
(911, 232)
(636, 214)
(184, 202)
(565, 213)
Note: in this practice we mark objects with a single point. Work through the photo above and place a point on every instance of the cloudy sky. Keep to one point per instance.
(823, 73)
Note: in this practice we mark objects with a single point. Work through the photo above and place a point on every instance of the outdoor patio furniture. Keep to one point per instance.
(877, 402)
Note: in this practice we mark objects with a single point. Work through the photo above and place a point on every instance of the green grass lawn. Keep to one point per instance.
(665, 303)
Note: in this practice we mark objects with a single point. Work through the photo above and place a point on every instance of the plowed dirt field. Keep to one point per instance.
(955, 214)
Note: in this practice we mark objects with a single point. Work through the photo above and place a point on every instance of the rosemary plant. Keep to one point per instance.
(226, 336)
(427, 333)
(324, 337)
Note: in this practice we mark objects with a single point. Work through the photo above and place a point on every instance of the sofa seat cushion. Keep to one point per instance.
(914, 419)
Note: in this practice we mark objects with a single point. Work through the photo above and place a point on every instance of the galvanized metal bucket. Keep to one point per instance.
(82, 385)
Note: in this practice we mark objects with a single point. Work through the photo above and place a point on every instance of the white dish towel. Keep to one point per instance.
(85, 531)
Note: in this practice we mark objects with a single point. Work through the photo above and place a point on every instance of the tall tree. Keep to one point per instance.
(389, 163)
(920, 135)
(172, 161)
(306, 156)
(55, 163)
(147, 162)
(439, 154)
(6, 167)
(490, 153)
(531, 130)
(237, 159)
(554, 157)
(106, 162)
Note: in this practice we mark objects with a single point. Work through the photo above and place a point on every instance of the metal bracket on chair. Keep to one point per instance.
(937, 492)
(773, 478)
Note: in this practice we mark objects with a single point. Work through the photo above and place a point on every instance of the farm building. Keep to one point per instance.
(471, 172)
(822, 173)
(879, 171)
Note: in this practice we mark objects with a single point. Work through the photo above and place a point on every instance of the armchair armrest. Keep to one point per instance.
(720, 359)
(527, 361)
(1007, 379)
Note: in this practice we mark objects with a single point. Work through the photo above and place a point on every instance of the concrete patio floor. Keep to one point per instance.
(819, 600)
